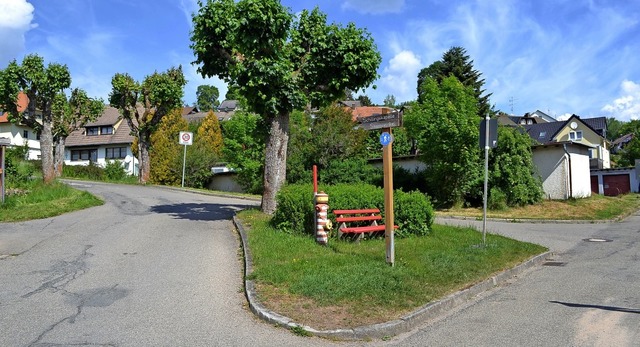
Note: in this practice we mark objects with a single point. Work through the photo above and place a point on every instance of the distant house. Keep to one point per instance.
(227, 109)
(618, 144)
(590, 132)
(564, 152)
(367, 111)
(20, 134)
(536, 117)
(106, 139)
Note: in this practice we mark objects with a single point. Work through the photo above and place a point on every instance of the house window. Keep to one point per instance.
(106, 130)
(543, 134)
(116, 153)
(38, 136)
(575, 135)
(84, 154)
(25, 134)
(92, 131)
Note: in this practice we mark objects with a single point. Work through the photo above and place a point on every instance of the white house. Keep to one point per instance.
(19, 134)
(108, 138)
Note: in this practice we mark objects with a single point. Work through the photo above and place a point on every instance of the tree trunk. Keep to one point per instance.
(46, 150)
(58, 156)
(144, 140)
(275, 163)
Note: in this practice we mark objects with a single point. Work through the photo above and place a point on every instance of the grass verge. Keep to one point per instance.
(43, 201)
(349, 284)
(596, 207)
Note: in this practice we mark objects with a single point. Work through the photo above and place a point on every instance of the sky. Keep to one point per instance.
(561, 57)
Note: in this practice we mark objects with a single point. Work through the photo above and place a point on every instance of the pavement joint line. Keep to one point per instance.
(384, 330)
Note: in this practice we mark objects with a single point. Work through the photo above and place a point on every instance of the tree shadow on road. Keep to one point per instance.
(600, 307)
(199, 211)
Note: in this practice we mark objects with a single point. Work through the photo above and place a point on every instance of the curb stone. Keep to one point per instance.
(403, 324)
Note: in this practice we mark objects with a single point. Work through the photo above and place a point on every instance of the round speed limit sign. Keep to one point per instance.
(186, 138)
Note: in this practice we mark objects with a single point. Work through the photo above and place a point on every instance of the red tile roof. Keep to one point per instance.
(367, 111)
(23, 102)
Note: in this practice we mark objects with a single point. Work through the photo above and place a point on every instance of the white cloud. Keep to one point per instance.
(627, 106)
(374, 6)
(399, 76)
(15, 21)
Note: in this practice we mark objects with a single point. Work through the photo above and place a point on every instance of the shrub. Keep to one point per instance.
(114, 170)
(497, 199)
(90, 172)
(296, 213)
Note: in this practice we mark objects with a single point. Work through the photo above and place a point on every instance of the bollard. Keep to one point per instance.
(323, 224)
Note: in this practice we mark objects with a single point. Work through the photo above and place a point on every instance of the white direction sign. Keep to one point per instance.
(186, 138)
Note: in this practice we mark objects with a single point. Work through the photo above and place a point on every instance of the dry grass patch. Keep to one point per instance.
(596, 207)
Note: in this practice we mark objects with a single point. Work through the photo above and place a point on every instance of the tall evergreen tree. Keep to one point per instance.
(455, 62)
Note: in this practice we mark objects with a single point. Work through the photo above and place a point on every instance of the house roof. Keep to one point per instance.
(623, 139)
(189, 110)
(229, 105)
(351, 103)
(367, 111)
(544, 132)
(110, 116)
(23, 102)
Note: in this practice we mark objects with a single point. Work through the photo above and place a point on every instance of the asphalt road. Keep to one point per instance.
(151, 267)
(160, 267)
(590, 297)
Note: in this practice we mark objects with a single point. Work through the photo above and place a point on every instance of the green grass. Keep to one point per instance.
(356, 278)
(43, 201)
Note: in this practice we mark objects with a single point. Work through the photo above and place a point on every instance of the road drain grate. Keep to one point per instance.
(554, 263)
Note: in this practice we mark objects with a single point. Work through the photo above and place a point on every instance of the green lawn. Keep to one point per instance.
(43, 201)
(349, 284)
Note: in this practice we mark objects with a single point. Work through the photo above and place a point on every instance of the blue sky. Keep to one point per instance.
(560, 57)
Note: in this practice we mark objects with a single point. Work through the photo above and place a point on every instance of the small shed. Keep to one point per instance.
(564, 169)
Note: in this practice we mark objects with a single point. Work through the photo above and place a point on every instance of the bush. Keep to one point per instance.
(18, 170)
(114, 170)
(296, 213)
(497, 199)
(89, 172)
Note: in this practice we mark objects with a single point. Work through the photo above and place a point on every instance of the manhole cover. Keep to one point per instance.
(554, 263)
(595, 239)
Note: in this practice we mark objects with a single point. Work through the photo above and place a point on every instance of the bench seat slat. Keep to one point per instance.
(367, 229)
(358, 219)
(367, 210)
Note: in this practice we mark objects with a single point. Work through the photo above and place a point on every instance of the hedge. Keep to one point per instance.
(296, 213)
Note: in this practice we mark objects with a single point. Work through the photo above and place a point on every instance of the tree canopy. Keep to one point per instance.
(207, 97)
(280, 63)
(455, 62)
(445, 124)
(48, 111)
(143, 105)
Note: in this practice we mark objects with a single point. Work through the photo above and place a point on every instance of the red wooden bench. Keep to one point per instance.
(369, 216)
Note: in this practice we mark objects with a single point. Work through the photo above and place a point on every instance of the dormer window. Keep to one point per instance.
(106, 130)
(92, 131)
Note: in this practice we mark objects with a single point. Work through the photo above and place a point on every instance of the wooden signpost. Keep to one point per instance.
(386, 121)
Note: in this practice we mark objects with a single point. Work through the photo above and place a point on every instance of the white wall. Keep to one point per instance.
(130, 163)
(553, 167)
(14, 133)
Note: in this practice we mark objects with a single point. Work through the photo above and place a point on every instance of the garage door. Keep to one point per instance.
(616, 184)
(594, 185)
